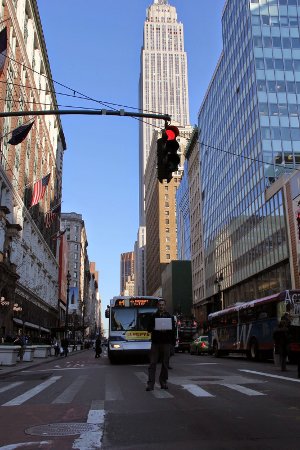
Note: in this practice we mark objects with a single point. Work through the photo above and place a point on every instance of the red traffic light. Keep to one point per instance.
(172, 132)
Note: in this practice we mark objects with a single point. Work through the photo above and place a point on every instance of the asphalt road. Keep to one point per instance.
(85, 403)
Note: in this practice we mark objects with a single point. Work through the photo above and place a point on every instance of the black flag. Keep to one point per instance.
(3, 48)
(20, 133)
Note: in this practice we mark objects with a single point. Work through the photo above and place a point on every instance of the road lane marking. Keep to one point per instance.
(32, 392)
(92, 439)
(280, 377)
(68, 395)
(10, 386)
(197, 391)
(112, 388)
(157, 392)
(26, 444)
(161, 393)
(242, 389)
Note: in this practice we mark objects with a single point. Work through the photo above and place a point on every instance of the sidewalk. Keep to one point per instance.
(23, 365)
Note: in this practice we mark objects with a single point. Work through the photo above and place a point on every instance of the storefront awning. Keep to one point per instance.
(30, 325)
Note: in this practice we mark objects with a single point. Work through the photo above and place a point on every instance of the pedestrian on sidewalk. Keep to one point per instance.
(65, 346)
(20, 340)
(162, 338)
(281, 341)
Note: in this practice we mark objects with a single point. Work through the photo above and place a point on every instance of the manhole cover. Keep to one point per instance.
(61, 429)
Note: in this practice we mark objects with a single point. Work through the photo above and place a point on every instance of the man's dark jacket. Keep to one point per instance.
(161, 336)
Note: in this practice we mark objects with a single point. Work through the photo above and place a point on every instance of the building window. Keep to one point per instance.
(167, 221)
(75, 265)
(75, 274)
(168, 256)
(75, 255)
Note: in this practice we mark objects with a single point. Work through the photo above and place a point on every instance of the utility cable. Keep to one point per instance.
(77, 92)
(244, 156)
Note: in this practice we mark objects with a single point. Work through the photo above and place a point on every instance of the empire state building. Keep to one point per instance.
(163, 78)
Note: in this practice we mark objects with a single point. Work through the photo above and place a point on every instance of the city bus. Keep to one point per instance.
(128, 323)
(247, 327)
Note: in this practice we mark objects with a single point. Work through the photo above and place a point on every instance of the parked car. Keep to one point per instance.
(199, 345)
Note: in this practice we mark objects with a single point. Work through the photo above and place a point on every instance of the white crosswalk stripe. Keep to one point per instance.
(32, 392)
(196, 390)
(68, 395)
(10, 386)
(243, 389)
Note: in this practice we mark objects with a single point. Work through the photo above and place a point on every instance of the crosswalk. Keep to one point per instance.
(197, 387)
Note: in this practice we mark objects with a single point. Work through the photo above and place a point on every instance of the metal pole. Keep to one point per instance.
(67, 305)
(90, 112)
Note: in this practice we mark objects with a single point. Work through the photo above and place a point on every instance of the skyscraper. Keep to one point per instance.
(163, 88)
(163, 78)
(249, 122)
(126, 272)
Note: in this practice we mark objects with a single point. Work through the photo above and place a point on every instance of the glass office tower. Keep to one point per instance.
(183, 217)
(250, 137)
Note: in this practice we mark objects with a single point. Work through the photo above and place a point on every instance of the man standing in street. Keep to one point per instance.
(162, 329)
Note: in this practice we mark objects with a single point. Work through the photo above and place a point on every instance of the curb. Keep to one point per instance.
(14, 369)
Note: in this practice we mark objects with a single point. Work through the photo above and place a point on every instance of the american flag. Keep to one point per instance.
(51, 216)
(39, 189)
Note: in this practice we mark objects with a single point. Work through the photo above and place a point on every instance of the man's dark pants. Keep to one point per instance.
(159, 353)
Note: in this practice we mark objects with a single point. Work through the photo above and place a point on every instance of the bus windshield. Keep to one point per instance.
(125, 319)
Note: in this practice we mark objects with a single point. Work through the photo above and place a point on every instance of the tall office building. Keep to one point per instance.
(163, 78)
(250, 136)
(127, 273)
(160, 215)
(163, 84)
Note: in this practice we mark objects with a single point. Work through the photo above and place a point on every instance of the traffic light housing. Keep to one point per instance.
(167, 156)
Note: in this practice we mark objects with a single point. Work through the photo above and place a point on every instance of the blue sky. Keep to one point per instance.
(94, 48)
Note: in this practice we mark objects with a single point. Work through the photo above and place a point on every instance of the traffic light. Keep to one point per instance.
(167, 157)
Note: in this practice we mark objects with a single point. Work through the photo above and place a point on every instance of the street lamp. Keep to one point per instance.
(218, 282)
(67, 305)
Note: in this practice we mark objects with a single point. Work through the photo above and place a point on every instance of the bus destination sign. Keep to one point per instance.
(135, 301)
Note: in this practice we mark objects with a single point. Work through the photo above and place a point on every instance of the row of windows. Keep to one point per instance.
(280, 2)
(276, 86)
(277, 42)
(279, 109)
(284, 21)
(277, 64)
(283, 133)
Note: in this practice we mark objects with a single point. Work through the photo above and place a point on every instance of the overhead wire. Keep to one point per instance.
(83, 96)
(106, 104)
(244, 156)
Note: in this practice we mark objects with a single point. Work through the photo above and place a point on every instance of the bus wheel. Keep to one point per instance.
(253, 352)
(216, 351)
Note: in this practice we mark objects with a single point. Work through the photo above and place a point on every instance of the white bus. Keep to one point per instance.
(128, 323)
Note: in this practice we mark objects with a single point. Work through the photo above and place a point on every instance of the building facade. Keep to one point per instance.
(160, 214)
(250, 136)
(126, 272)
(183, 217)
(83, 281)
(189, 221)
(29, 271)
